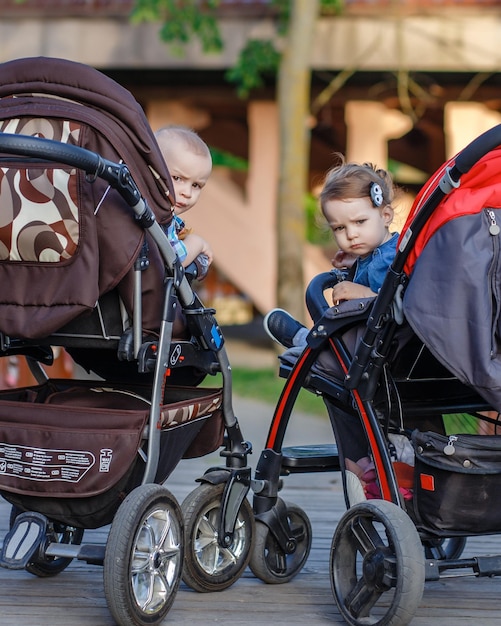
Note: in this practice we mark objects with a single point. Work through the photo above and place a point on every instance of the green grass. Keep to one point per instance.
(266, 386)
(461, 423)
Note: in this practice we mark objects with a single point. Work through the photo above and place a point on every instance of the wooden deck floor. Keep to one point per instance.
(76, 596)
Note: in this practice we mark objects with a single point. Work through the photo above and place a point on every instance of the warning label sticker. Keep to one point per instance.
(42, 464)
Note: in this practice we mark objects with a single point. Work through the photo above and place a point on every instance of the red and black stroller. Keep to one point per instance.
(85, 265)
(416, 381)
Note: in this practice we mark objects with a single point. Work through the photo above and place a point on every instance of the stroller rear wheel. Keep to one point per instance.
(208, 566)
(377, 565)
(46, 566)
(144, 556)
(269, 561)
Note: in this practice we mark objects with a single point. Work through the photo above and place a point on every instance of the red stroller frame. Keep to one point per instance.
(78, 454)
(393, 380)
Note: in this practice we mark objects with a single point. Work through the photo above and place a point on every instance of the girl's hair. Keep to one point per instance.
(352, 180)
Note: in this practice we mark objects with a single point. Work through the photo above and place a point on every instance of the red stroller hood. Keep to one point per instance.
(479, 188)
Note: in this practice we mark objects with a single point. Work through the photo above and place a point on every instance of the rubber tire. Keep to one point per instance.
(268, 561)
(383, 536)
(45, 567)
(161, 555)
(222, 566)
(448, 548)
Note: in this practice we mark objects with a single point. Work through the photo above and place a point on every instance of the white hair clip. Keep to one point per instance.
(376, 194)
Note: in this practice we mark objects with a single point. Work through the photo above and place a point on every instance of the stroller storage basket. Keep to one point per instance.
(78, 441)
(456, 484)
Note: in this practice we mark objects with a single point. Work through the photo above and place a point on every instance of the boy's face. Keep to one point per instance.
(358, 226)
(189, 173)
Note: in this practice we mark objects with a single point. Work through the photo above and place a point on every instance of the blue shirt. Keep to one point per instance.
(173, 230)
(371, 270)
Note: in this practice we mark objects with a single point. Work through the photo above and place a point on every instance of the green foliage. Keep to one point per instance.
(221, 157)
(182, 20)
(317, 230)
(331, 7)
(266, 386)
(283, 10)
(257, 59)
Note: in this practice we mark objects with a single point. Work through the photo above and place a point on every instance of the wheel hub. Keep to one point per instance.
(156, 559)
(376, 570)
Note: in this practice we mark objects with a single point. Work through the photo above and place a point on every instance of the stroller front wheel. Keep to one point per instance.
(269, 561)
(208, 566)
(144, 557)
(377, 565)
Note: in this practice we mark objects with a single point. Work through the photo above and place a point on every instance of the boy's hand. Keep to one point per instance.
(196, 245)
(207, 251)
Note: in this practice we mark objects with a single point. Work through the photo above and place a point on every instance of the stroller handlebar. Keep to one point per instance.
(93, 164)
(38, 147)
(315, 299)
(478, 148)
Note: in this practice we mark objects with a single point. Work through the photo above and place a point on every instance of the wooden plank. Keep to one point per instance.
(76, 596)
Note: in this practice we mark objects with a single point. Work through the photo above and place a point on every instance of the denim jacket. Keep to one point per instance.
(371, 271)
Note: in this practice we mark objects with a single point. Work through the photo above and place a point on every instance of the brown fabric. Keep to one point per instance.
(177, 413)
(117, 115)
(78, 441)
(209, 439)
(55, 278)
(66, 450)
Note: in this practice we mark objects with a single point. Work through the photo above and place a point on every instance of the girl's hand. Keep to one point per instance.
(346, 290)
(343, 260)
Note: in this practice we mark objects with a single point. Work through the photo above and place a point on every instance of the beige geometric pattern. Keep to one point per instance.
(39, 221)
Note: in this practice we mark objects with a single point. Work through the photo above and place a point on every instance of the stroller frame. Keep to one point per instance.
(380, 554)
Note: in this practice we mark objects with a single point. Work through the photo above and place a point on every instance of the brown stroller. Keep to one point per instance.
(85, 264)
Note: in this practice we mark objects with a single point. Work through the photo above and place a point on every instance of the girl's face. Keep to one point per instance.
(358, 226)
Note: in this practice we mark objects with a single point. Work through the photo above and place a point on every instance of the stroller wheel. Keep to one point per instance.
(144, 556)
(208, 566)
(377, 565)
(46, 566)
(269, 561)
(446, 548)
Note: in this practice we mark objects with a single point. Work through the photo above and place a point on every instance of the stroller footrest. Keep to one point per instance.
(90, 553)
(310, 458)
(23, 540)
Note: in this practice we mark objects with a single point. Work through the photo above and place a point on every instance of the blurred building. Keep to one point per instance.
(412, 81)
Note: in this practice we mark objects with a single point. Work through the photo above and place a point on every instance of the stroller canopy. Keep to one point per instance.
(453, 298)
(65, 240)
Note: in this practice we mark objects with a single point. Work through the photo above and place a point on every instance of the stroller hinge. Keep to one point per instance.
(447, 183)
